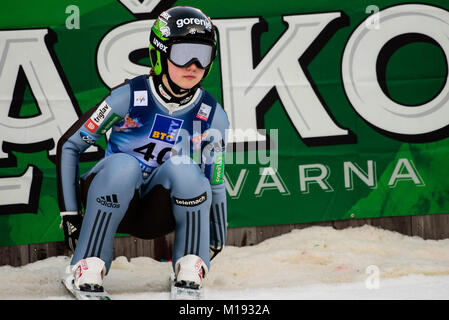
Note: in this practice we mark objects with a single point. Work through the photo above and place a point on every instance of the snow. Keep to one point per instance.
(364, 263)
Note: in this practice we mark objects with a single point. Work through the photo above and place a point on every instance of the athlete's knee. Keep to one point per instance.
(183, 170)
(179, 163)
(120, 168)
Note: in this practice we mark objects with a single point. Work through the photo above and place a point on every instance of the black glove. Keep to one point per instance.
(72, 227)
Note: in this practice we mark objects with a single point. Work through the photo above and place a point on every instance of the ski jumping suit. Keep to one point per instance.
(163, 170)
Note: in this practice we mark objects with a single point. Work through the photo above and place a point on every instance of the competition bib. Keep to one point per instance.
(162, 138)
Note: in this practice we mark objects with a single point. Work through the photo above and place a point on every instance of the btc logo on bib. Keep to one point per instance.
(165, 129)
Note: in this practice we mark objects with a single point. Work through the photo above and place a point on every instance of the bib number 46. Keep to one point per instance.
(148, 149)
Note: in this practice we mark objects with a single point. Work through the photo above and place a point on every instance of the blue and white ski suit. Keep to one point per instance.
(163, 170)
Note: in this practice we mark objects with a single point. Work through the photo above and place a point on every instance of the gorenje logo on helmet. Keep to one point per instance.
(201, 22)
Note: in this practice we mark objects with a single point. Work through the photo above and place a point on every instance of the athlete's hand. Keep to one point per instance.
(71, 223)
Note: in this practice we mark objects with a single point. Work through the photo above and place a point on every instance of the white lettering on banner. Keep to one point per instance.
(360, 61)
(317, 176)
(410, 173)
(26, 50)
(141, 6)
(281, 73)
(276, 184)
(279, 68)
(369, 178)
(116, 46)
(25, 58)
(235, 190)
(307, 176)
(244, 86)
(17, 190)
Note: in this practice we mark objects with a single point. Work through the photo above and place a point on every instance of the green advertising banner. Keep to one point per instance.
(338, 109)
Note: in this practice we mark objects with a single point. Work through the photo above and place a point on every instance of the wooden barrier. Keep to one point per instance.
(424, 226)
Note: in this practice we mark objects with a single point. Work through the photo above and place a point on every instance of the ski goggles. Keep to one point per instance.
(186, 53)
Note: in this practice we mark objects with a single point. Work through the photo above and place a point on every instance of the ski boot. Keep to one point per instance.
(190, 271)
(85, 279)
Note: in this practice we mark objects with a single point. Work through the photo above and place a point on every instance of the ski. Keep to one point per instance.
(84, 295)
(184, 291)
